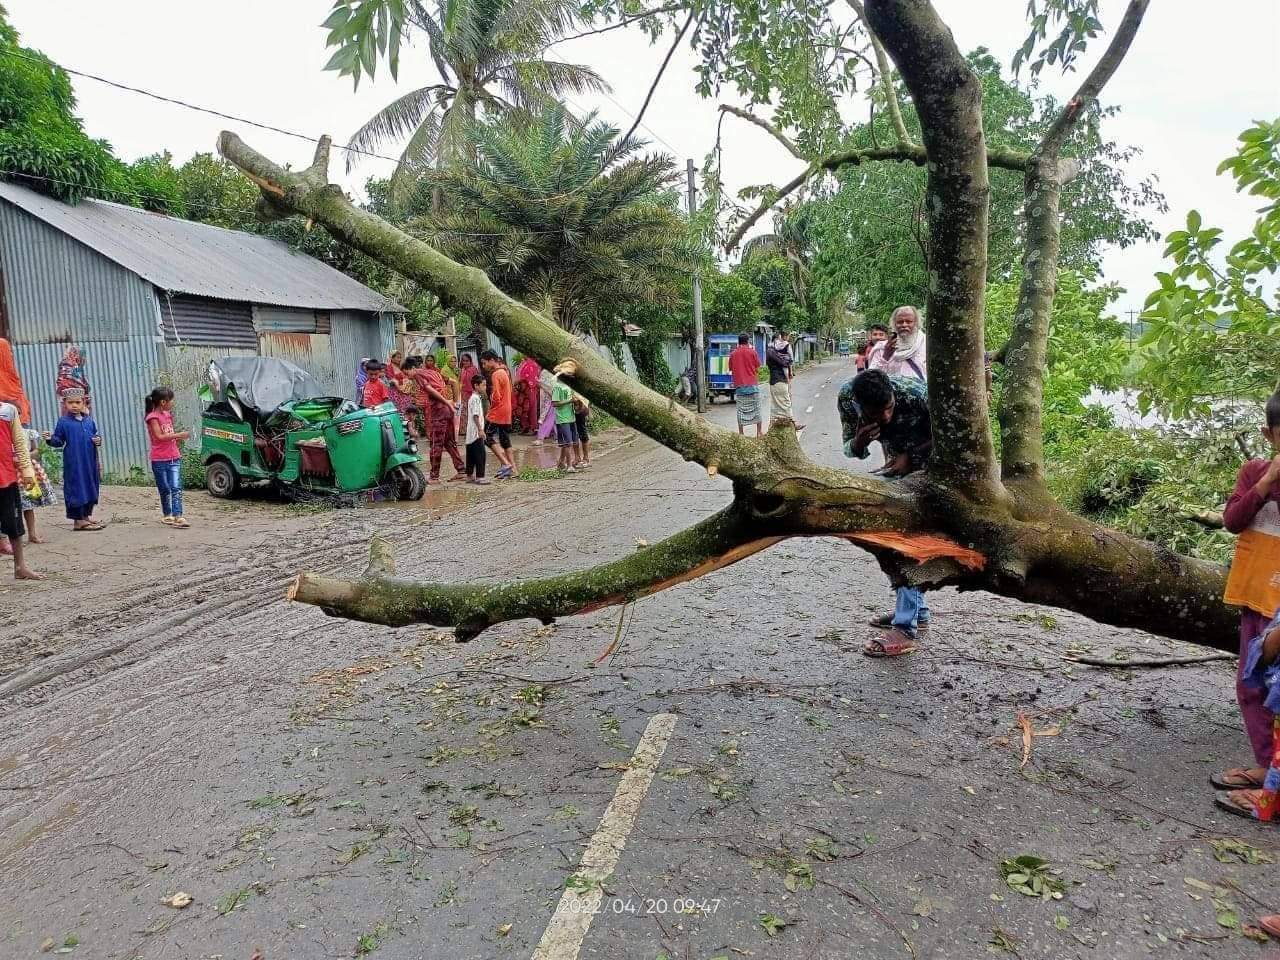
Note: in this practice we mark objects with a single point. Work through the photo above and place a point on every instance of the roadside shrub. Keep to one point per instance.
(192, 469)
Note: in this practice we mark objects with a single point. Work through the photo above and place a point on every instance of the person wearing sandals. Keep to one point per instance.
(1253, 513)
(76, 435)
(166, 457)
(895, 411)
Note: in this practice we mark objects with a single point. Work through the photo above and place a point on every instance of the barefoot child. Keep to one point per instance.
(15, 473)
(1253, 512)
(76, 435)
(166, 458)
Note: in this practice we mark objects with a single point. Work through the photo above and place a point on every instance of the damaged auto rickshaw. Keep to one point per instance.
(268, 421)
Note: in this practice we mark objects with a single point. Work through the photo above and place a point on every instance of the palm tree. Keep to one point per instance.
(489, 56)
(790, 242)
(563, 216)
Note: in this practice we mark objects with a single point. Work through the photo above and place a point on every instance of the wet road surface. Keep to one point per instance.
(736, 780)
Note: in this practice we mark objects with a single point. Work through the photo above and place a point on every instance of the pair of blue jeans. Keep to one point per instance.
(910, 609)
(168, 474)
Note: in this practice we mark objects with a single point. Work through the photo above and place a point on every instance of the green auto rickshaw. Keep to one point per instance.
(268, 421)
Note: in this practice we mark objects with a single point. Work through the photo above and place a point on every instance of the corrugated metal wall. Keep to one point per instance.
(312, 352)
(58, 290)
(186, 370)
(120, 374)
(269, 319)
(205, 322)
(353, 337)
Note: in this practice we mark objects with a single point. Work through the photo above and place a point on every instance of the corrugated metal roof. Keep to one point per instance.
(186, 257)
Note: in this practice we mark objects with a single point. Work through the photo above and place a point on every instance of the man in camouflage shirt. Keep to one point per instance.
(895, 411)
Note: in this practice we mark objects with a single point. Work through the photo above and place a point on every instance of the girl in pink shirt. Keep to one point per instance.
(166, 458)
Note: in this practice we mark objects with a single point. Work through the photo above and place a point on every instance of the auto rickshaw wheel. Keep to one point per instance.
(221, 480)
(410, 484)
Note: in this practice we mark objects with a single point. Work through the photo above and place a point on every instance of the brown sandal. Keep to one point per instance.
(894, 643)
(1237, 778)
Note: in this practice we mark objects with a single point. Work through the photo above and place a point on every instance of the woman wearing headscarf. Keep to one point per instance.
(362, 377)
(11, 383)
(71, 377)
(527, 394)
(467, 372)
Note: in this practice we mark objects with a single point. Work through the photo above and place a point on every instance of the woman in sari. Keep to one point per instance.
(71, 377)
(11, 383)
(466, 372)
(527, 394)
(397, 381)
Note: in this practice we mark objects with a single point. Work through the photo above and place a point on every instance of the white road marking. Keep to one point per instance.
(808, 409)
(569, 924)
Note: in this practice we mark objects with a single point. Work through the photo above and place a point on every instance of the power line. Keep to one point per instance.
(190, 106)
(99, 192)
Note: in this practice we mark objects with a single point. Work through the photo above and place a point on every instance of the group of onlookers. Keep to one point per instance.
(441, 400)
(745, 369)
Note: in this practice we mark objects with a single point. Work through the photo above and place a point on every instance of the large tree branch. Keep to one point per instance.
(1021, 409)
(378, 597)
(851, 156)
(948, 99)
(927, 530)
(886, 77)
(768, 127)
(465, 288)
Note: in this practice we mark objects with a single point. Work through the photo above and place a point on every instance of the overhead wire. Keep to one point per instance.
(190, 106)
(175, 101)
(98, 192)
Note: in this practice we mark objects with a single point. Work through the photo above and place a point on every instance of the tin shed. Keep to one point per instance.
(151, 299)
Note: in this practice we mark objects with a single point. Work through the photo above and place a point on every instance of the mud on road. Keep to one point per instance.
(329, 789)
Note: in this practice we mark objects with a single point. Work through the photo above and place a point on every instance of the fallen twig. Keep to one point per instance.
(1152, 661)
(876, 911)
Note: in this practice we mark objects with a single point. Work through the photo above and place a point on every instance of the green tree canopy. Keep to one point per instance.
(562, 215)
(42, 142)
(489, 54)
(870, 231)
(1214, 320)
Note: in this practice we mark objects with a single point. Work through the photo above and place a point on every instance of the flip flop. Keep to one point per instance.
(1223, 802)
(1236, 778)
(896, 643)
(93, 527)
(1270, 924)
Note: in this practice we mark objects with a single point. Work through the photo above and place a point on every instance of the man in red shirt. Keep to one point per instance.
(497, 433)
(744, 364)
(376, 391)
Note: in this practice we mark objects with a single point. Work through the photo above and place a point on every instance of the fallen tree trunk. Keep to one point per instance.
(963, 523)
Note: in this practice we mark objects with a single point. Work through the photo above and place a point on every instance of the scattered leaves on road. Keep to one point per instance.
(179, 900)
(772, 924)
(1031, 876)
(1231, 850)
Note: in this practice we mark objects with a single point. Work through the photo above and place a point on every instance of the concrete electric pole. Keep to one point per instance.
(699, 361)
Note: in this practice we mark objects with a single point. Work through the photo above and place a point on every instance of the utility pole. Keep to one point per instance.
(1131, 315)
(699, 363)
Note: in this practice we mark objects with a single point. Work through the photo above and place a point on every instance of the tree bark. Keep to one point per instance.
(1021, 410)
(948, 100)
(956, 525)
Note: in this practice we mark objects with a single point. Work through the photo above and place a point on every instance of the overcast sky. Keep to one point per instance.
(1192, 81)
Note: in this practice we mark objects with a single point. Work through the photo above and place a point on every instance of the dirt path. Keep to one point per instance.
(326, 789)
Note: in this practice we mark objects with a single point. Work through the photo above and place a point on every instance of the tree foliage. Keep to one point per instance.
(42, 142)
(562, 215)
(1214, 319)
(871, 232)
(488, 53)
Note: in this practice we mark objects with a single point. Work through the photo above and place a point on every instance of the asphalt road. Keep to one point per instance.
(734, 780)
